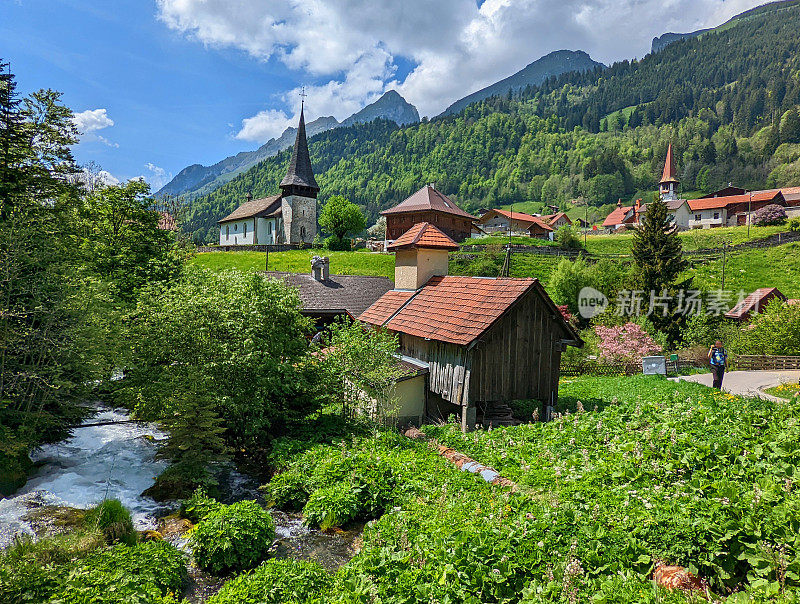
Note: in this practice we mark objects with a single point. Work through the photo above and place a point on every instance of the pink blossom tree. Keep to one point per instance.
(771, 214)
(627, 342)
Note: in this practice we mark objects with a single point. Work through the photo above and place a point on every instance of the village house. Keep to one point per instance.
(730, 210)
(755, 303)
(432, 206)
(325, 297)
(515, 223)
(557, 220)
(485, 341)
(287, 218)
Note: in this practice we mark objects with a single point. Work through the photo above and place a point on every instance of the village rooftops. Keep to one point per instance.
(713, 203)
(423, 235)
(427, 199)
(338, 294)
(617, 216)
(263, 207)
(754, 303)
(519, 217)
(458, 310)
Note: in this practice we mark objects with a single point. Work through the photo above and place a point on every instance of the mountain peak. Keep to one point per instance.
(391, 106)
(552, 64)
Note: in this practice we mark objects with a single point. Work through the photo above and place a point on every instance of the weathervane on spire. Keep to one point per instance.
(303, 96)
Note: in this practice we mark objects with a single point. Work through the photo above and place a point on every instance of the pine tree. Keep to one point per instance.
(657, 250)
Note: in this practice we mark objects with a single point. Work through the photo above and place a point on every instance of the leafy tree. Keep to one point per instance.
(361, 368)
(771, 214)
(790, 129)
(378, 230)
(242, 332)
(122, 240)
(567, 239)
(340, 218)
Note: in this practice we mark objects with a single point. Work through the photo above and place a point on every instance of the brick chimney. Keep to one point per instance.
(421, 252)
(320, 268)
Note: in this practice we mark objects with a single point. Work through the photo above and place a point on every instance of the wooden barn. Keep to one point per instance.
(486, 341)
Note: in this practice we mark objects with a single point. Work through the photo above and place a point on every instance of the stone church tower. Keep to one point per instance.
(299, 193)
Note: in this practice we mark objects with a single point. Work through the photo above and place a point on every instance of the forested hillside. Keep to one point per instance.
(727, 100)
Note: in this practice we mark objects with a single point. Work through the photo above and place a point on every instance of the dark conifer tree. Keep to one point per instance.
(657, 249)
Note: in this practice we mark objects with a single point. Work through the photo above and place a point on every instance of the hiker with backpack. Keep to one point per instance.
(718, 358)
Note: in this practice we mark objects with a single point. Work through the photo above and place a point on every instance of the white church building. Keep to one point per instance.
(290, 217)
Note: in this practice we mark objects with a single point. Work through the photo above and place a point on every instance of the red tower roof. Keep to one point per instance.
(670, 173)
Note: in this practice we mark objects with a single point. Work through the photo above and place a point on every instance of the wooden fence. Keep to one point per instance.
(745, 362)
(600, 368)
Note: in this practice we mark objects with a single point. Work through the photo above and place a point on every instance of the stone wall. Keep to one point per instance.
(299, 218)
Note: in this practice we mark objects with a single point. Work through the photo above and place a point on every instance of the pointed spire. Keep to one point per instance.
(300, 173)
(670, 173)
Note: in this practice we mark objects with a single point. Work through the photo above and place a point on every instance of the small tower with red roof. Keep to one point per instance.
(668, 187)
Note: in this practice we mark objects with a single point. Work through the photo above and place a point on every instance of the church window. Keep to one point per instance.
(235, 227)
(302, 232)
(269, 228)
(245, 229)
(227, 231)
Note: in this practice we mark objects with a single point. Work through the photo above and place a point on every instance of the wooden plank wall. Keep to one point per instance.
(518, 358)
(449, 373)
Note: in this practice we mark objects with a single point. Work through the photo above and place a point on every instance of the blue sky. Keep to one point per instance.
(193, 81)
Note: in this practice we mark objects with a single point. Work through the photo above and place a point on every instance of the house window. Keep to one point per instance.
(698, 217)
(245, 229)
(716, 215)
(227, 231)
(235, 227)
(269, 228)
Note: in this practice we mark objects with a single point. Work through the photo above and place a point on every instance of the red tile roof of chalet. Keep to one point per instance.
(714, 203)
(617, 216)
(423, 235)
(790, 194)
(551, 218)
(428, 198)
(451, 309)
(265, 206)
(522, 217)
(670, 173)
(386, 306)
(755, 302)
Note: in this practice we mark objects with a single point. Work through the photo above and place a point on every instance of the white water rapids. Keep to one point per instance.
(98, 462)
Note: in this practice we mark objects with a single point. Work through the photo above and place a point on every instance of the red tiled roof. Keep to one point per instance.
(520, 217)
(616, 216)
(713, 203)
(670, 173)
(423, 235)
(385, 307)
(754, 302)
(255, 207)
(790, 194)
(454, 309)
(428, 198)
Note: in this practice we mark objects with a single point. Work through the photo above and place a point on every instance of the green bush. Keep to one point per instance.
(233, 537)
(334, 505)
(198, 506)
(276, 582)
(148, 573)
(335, 244)
(288, 491)
(794, 225)
(112, 519)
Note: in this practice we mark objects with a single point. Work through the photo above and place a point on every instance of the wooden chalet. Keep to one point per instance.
(431, 206)
(517, 223)
(486, 341)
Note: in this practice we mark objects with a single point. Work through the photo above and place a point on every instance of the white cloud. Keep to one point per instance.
(157, 178)
(92, 120)
(455, 46)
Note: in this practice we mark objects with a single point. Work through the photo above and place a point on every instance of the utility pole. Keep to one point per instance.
(749, 214)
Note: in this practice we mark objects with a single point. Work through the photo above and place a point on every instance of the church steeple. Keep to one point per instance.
(299, 179)
(669, 178)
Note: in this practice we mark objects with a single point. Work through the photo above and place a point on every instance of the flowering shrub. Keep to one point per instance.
(771, 214)
(627, 342)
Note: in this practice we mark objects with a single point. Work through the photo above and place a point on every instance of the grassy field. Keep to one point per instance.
(748, 270)
(299, 261)
(630, 473)
(692, 240)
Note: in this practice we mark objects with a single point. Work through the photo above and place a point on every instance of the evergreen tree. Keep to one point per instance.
(657, 252)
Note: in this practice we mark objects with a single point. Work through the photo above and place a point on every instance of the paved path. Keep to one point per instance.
(747, 383)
